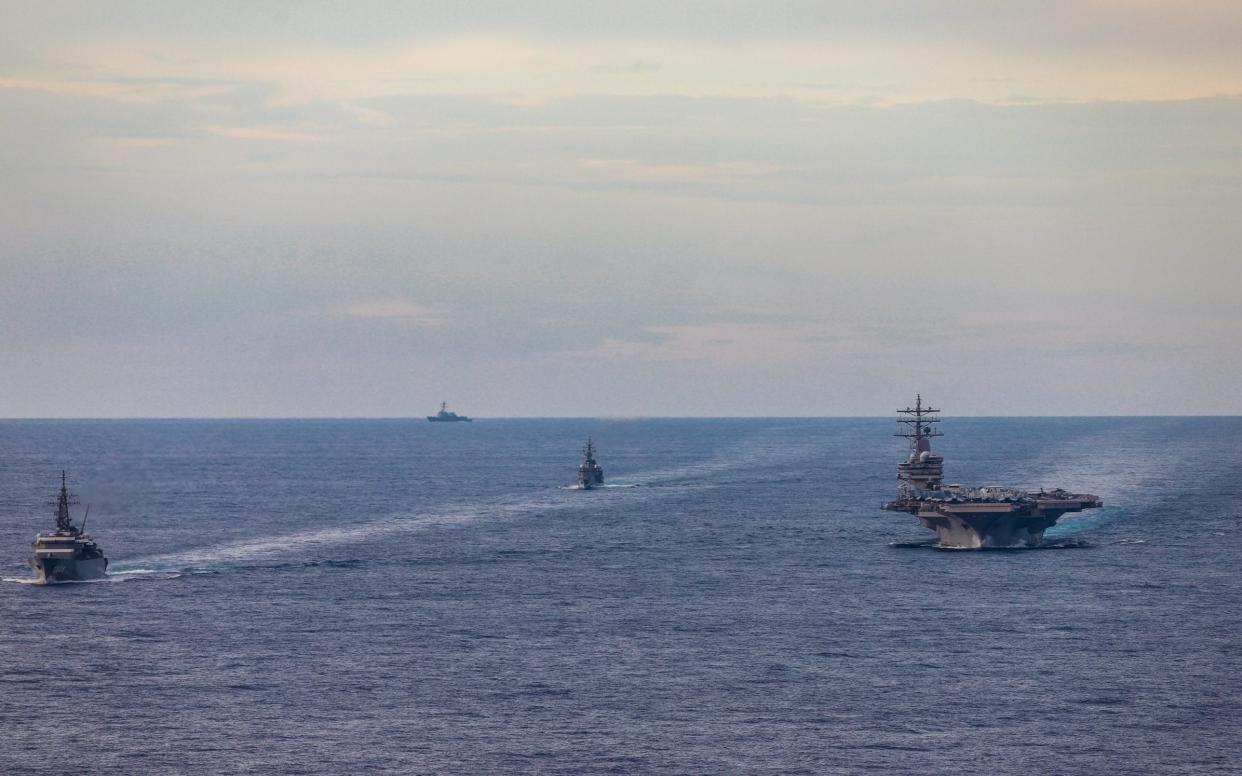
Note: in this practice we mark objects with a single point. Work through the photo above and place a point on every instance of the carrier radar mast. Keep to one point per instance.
(917, 430)
(922, 470)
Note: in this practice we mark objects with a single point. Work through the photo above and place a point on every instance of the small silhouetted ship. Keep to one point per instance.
(67, 554)
(590, 475)
(445, 416)
(972, 518)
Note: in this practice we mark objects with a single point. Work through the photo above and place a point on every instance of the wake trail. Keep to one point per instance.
(1125, 467)
(233, 555)
(746, 454)
(110, 577)
(763, 449)
(304, 543)
(1088, 521)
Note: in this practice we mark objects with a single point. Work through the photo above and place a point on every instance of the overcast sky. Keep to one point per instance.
(631, 208)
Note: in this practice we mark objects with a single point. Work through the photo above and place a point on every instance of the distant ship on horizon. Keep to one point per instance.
(445, 416)
(972, 518)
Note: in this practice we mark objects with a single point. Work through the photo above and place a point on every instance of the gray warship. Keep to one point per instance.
(67, 554)
(965, 517)
(590, 475)
(445, 416)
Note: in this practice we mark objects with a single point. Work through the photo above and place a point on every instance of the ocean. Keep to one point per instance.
(397, 596)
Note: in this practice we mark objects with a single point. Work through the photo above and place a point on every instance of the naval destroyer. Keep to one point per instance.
(67, 554)
(445, 416)
(965, 517)
(590, 475)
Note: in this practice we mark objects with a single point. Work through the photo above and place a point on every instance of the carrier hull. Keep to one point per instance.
(953, 532)
(985, 531)
(985, 525)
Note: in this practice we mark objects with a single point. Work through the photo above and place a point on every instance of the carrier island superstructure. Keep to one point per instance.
(965, 517)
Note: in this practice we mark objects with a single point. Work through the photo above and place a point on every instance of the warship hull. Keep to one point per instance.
(590, 483)
(50, 571)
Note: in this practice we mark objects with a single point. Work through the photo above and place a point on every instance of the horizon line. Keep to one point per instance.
(572, 417)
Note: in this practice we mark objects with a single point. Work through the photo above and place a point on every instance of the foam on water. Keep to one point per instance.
(1089, 520)
(300, 542)
(33, 581)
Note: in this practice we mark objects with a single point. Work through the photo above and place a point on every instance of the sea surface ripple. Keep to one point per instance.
(394, 596)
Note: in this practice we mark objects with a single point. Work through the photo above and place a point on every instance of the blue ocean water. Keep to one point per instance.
(395, 596)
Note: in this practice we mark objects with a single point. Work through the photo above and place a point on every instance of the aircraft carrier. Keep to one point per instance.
(967, 517)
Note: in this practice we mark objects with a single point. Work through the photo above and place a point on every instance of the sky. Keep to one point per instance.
(306, 209)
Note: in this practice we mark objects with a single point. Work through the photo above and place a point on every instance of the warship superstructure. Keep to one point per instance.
(965, 517)
(590, 475)
(66, 554)
(445, 416)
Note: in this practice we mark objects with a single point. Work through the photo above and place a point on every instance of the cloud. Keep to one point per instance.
(369, 117)
(129, 90)
(140, 142)
(983, 188)
(635, 171)
(724, 343)
(279, 134)
(638, 66)
(1057, 58)
(394, 309)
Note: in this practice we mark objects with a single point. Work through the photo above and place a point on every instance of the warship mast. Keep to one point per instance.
(64, 522)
